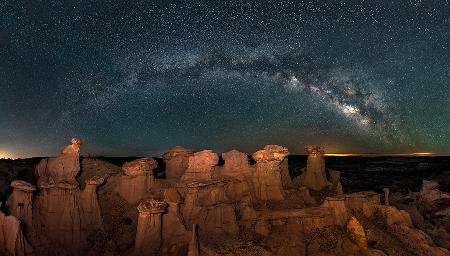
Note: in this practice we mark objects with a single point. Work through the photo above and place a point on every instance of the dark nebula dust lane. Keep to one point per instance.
(137, 78)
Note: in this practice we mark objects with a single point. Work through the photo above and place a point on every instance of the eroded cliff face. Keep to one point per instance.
(203, 208)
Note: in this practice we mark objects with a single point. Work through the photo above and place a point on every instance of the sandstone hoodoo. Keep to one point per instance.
(63, 168)
(201, 166)
(12, 240)
(201, 207)
(177, 160)
(136, 179)
(314, 175)
(268, 174)
(148, 233)
(91, 211)
(20, 203)
(236, 165)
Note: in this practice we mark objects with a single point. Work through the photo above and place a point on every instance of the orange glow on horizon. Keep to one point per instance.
(5, 155)
(373, 154)
(341, 154)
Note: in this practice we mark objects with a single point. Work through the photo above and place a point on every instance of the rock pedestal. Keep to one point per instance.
(174, 233)
(136, 179)
(148, 233)
(176, 161)
(63, 168)
(20, 203)
(201, 166)
(90, 207)
(314, 176)
(337, 205)
(57, 215)
(12, 241)
(236, 165)
(267, 176)
(237, 170)
(207, 205)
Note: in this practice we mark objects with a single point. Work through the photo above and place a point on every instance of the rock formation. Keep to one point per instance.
(91, 211)
(207, 205)
(148, 233)
(174, 233)
(20, 203)
(314, 175)
(356, 233)
(337, 204)
(136, 179)
(63, 168)
(12, 241)
(267, 176)
(194, 245)
(176, 160)
(57, 215)
(429, 193)
(201, 166)
(386, 196)
(237, 170)
(236, 165)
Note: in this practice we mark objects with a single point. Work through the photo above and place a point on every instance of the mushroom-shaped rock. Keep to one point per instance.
(148, 233)
(356, 233)
(91, 216)
(201, 166)
(268, 174)
(314, 176)
(63, 168)
(136, 179)
(176, 160)
(12, 240)
(174, 233)
(20, 203)
(236, 165)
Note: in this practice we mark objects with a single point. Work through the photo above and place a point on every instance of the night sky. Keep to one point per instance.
(139, 78)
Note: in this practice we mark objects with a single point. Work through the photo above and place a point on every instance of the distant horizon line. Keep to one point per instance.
(415, 154)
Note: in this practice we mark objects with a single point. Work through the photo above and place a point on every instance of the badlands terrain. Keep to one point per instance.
(200, 203)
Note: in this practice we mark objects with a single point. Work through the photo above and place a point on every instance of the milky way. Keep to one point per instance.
(137, 78)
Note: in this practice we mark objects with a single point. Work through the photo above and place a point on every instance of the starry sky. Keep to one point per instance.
(139, 77)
